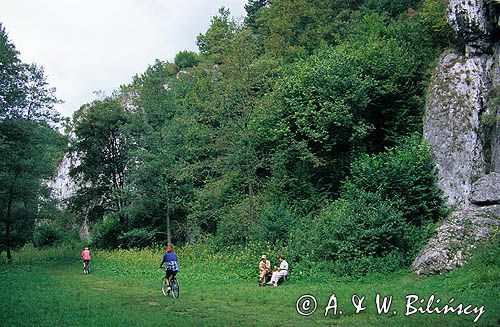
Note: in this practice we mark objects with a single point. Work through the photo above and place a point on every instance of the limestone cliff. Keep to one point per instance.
(462, 101)
(63, 185)
(462, 125)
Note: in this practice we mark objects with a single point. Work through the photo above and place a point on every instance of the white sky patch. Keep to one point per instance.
(92, 45)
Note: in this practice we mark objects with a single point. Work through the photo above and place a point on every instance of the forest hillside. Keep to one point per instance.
(299, 126)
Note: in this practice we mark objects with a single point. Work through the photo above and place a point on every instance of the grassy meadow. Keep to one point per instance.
(47, 288)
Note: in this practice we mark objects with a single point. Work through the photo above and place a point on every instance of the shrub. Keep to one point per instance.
(137, 238)
(365, 226)
(234, 225)
(403, 175)
(107, 232)
(185, 59)
(47, 235)
(385, 213)
(275, 224)
(359, 235)
(365, 265)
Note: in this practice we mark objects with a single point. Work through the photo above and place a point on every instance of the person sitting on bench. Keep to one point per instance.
(264, 269)
(279, 272)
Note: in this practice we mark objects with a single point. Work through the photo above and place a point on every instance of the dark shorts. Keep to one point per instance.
(170, 273)
(86, 262)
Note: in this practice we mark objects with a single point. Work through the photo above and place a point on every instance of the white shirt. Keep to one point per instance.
(284, 265)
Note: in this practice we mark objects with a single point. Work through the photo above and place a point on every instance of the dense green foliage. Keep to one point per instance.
(385, 212)
(403, 175)
(47, 235)
(288, 125)
(294, 123)
(101, 147)
(30, 146)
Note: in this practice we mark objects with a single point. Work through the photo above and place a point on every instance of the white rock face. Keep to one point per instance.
(486, 190)
(466, 148)
(62, 185)
(495, 152)
(462, 94)
(452, 122)
(474, 21)
(451, 247)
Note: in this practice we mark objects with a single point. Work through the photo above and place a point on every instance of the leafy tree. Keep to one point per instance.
(294, 29)
(212, 43)
(29, 145)
(151, 94)
(254, 9)
(317, 120)
(240, 89)
(186, 59)
(392, 7)
(31, 150)
(101, 147)
(226, 101)
(11, 87)
(24, 91)
(158, 183)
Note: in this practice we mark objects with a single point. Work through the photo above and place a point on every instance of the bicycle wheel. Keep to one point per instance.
(175, 288)
(86, 267)
(164, 286)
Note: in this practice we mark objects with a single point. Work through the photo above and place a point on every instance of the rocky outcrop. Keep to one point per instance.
(451, 246)
(452, 121)
(63, 185)
(84, 232)
(475, 22)
(486, 190)
(462, 126)
(495, 110)
(462, 100)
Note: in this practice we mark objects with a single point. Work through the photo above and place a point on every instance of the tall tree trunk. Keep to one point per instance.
(8, 224)
(7, 234)
(250, 176)
(169, 235)
(251, 207)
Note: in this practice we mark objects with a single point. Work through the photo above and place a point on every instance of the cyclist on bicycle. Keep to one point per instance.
(172, 265)
(86, 257)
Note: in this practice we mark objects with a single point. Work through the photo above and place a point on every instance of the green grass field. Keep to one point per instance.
(47, 288)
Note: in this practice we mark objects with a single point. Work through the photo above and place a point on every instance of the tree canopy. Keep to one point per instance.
(30, 145)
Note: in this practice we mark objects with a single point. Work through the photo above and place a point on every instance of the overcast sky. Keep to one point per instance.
(93, 45)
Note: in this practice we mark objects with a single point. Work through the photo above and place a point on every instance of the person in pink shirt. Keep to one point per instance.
(86, 257)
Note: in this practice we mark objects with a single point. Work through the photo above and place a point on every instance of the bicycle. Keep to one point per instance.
(86, 267)
(174, 287)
